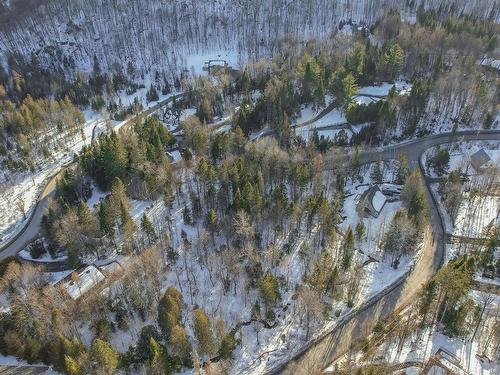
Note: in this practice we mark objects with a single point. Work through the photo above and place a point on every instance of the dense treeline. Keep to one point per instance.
(247, 208)
(32, 131)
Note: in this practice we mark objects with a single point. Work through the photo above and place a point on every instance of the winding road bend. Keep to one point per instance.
(32, 228)
(320, 352)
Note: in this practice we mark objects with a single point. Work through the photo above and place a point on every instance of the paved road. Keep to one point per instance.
(313, 357)
(32, 228)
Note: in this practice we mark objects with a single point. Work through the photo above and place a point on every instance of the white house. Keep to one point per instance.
(86, 279)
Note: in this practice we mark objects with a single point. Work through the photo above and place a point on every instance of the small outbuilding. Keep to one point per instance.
(482, 161)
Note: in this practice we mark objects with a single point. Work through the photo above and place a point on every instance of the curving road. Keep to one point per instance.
(32, 228)
(320, 352)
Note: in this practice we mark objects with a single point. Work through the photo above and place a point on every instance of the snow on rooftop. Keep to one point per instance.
(383, 89)
(88, 278)
(378, 200)
(494, 63)
(175, 155)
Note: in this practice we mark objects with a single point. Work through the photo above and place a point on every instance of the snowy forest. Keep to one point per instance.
(162, 215)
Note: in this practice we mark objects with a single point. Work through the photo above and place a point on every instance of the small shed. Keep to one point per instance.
(372, 201)
(481, 161)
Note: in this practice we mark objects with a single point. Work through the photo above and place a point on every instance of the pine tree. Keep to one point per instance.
(414, 196)
(376, 175)
(118, 197)
(106, 222)
(71, 365)
(169, 310)
(147, 228)
(87, 219)
(360, 231)
(403, 169)
(212, 221)
(238, 140)
(348, 249)
(128, 226)
(179, 342)
(203, 331)
(104, 355)
(269, 289)
(157, 357)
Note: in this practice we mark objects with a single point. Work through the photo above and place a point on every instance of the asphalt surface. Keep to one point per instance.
(318, 354)
(32, 228)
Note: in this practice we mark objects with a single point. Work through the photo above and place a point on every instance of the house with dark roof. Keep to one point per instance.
(482, 161)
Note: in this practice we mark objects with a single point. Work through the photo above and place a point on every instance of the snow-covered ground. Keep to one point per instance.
(96, 197)
(45, 257)
(476, 213)
(402, 88)
(308, 111)
(196, 62)
(26, 187)
(464, 354)
(23, 365)
(456, 354)
(460, 155)
(334, 117)
(235, 305)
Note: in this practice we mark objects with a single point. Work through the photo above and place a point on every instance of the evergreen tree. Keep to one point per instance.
(169, 310)
(157, 357)
(360, 231)
(104, 355)
(87, 219)
(147, 228)
(179, 342)
(203, 331)
(376, 175)
(128, 226)
(106, 221)
(212, 221)
(348, 249)
(269, 289)
(143, 350)
(403, 169)
(152, 94)
(118, 198)
(72, 367)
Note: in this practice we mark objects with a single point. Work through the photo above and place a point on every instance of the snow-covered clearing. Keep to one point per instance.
(308, 111)
(383, 89)
(196, 62)
(475, 214)
(96, 197)
(361, 99)
(454, 353)
(331, 134)
(44, 258)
